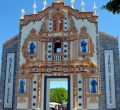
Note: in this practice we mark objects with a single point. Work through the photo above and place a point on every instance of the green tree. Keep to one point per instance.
(113, 6)
(58, 95)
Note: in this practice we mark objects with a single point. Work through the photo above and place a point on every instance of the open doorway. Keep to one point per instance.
(57, 93)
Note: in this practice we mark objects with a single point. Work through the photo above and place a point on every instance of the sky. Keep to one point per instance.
(10, 14)
(58, 84)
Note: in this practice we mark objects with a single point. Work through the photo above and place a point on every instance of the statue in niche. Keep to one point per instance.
(59, 24)
(83, 45)
(93, 83)
(21, 86)
(44, 27)
(32, 48)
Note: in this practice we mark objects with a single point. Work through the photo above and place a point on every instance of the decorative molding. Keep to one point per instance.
(45, 13)
(32, 37)
(34, 63)
(75, 93)
(39, 91)
(21, 98)
(84, 35)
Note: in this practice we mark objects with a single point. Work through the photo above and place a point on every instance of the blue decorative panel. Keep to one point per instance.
(22, 86)
(8, 97)
(84, 46)
(93, 85)
(32, 47)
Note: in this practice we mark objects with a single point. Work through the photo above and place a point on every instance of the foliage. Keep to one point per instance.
(58, 95)
(113, 6)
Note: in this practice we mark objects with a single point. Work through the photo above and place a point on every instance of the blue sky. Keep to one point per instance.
(57, 84)
(10, 14)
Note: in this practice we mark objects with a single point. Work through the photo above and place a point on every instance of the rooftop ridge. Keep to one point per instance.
(11, 39)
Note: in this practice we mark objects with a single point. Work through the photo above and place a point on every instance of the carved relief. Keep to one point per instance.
(58, 20)
(75, 94)
(85, 48)
(44, 27)
(71, 24)
(39, 91)
(77, 14)
(93, 69)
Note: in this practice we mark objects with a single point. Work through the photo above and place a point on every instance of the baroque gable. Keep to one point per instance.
(59, 8)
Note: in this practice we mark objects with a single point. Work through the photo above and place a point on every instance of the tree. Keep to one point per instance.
(113, 6)
(58, 95)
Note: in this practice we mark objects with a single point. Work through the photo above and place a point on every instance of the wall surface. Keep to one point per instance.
(107, 42)
(10, 47)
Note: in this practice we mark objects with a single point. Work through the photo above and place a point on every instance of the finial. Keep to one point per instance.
(72, 2)
(34, 7)
(95, 8)
(44, 4)
(22, 13)
(83, 5)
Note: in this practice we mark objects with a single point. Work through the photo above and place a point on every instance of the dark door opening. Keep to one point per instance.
(57, 47)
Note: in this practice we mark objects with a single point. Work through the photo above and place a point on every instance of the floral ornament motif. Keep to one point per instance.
(77, 14)
(93, 68)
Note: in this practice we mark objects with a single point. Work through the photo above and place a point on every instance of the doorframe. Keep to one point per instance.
(55, 77)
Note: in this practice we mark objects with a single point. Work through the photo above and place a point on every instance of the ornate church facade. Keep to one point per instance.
(60, 43)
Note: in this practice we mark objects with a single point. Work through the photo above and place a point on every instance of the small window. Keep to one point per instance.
(57, 47)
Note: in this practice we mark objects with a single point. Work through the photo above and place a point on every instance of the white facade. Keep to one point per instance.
(56, 52)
